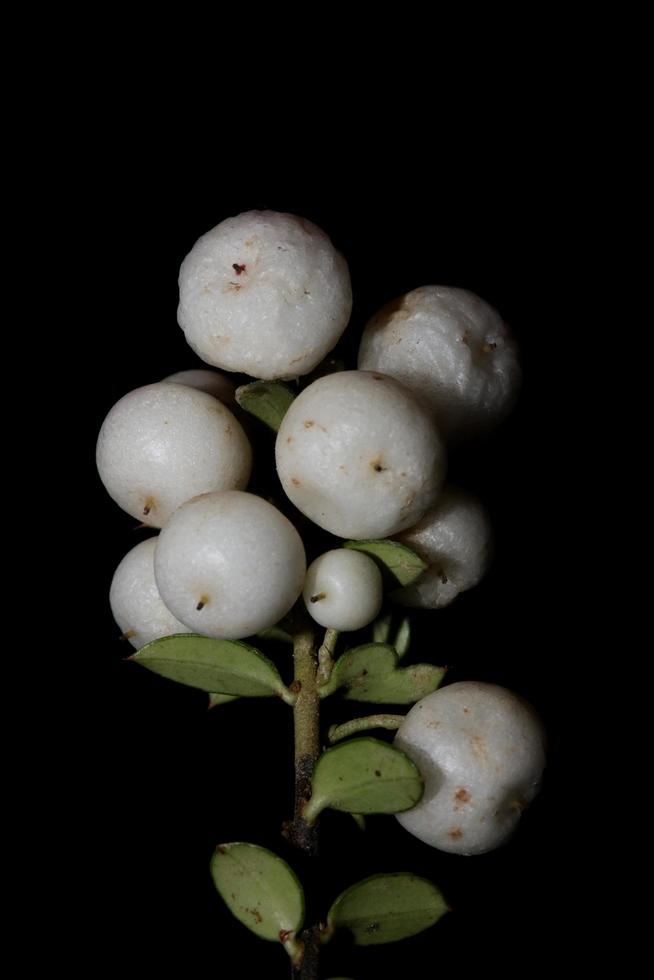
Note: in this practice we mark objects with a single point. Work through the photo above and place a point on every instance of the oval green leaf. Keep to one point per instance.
(225, 666)
(370, 673)
(363, 776)
(259, 888)
(217, 699)
(399, 565)
(386, 908)
(268, 401)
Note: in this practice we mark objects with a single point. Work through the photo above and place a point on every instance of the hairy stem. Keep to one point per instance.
(326, 656)
(306, 711)
(391, 722)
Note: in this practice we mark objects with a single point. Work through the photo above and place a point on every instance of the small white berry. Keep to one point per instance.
(165, 443)
(359, 456)
(213, 382)
(453, 350)
(481, 752)
(134, 598)
(229, 564)
(343, 590)
(264, 293)
(454, 538)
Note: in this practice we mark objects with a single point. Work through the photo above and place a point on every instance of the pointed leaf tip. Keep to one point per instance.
(230, 667)
(387, 907)
(399, 565)
(260, 890)
(268, 401)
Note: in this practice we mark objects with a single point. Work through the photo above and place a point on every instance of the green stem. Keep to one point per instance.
(337, 732)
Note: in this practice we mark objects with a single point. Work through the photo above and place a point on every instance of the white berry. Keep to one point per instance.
(213, 382)
(264, 293)
(481, 752)
(454, 538)
(452, 349)
(229, 564)
(135, 602)
(343, 590)
(359, 456)
(165, 443)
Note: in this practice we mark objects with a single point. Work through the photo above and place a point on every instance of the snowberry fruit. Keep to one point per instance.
(213, 382)
(359, 456)
(454, 538)
(343, 590)
(264, 293)
(165, 443)
(453, 350)
(134, 598)
(229, 564)
(481, 752)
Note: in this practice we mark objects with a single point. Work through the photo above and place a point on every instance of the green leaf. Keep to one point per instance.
(371, 673)
(399, 565)
(363, 776)
(227, 666)
(260, 889)
(268, 401)
(402, 639)
(386, 908)
(217, 699)
(381, 628)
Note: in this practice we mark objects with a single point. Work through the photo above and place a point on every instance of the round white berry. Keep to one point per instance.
(134, 598)
(229, 564)
(481, 752)
(453, 350)
(454, 538)
(213, 382)
(165, 443)
(359, 456)
(343, 590)
(264, 293)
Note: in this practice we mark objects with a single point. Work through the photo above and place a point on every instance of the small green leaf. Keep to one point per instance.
(399, 565)
(217, 699)
(402, 640)
(259, 888)
(381, 628)
(363, 776)
(386, 908)
(227, 666)
(268, 401)
(371, 673)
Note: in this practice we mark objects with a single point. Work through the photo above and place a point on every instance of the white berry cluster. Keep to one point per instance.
(360, 453)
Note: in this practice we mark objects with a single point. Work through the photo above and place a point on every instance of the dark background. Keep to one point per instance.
(169, 780)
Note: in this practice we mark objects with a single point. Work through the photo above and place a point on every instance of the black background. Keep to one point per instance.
(168, 780)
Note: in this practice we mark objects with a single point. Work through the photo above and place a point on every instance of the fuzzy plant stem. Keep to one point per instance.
(306, 712)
